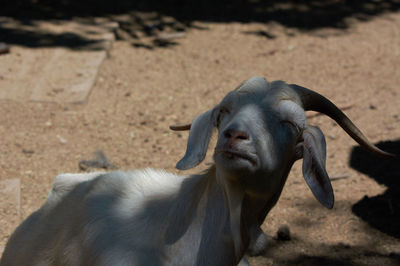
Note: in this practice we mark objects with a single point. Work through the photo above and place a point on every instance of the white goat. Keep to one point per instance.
(149, 217)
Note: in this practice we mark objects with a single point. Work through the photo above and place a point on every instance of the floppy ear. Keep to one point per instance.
(199, 138)
(314, 172)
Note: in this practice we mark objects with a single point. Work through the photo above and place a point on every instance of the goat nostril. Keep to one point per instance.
(242, 136)
(228, 134)
(236, 134)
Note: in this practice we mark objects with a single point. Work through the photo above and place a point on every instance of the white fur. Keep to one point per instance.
(108, 219)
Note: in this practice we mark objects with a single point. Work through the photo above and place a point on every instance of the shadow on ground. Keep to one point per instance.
(300, 14)
(383, 211)
(287, 253)
(35, 38)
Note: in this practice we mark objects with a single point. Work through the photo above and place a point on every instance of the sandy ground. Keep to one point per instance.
(140, 92)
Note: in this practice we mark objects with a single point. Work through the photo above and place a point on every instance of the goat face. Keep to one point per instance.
(256, 142)
(262, 130)
(260, 127)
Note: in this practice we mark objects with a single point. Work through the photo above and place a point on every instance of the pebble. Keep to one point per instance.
(283, 233)
(28, 151)
(62, 140)
(4, 48)
(291, 47)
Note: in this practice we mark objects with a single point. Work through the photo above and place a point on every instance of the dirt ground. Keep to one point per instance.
(140, 92)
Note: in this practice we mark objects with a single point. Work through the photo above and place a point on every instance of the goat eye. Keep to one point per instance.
(292, 124)
(223, 111)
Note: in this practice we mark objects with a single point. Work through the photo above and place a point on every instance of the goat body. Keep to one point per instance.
(151, 217)
(143, 217)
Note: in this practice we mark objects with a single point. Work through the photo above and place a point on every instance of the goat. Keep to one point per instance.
(149, 217)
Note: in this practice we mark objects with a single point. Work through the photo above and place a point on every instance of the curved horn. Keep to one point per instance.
(180, 127)
(316, 102)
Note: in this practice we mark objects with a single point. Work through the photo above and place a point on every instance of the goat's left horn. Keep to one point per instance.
(180, 127)
(312, 100)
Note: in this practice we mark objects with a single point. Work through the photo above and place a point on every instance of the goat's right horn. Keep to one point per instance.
(316, 102)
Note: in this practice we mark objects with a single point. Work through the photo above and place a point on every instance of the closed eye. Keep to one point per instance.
(222, 112)
(292, 125)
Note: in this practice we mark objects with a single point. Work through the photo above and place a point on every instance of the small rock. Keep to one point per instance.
(132, 135)
(165, 38)
(332, 137)
(4, 48)
(123, 35)
(101, 161)
(283, 233)
(167, 20)
(48, 124)
(28, 151)
(372, 107)
(62, 140)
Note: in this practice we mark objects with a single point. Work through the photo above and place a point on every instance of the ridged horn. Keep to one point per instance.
(314, 101)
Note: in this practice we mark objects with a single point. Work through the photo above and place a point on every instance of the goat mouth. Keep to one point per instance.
(233, 154)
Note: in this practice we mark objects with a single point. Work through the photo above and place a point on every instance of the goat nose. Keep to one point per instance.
(233, 134)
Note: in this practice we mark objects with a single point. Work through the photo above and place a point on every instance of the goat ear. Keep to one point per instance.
(314, 172)
(199, 138)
